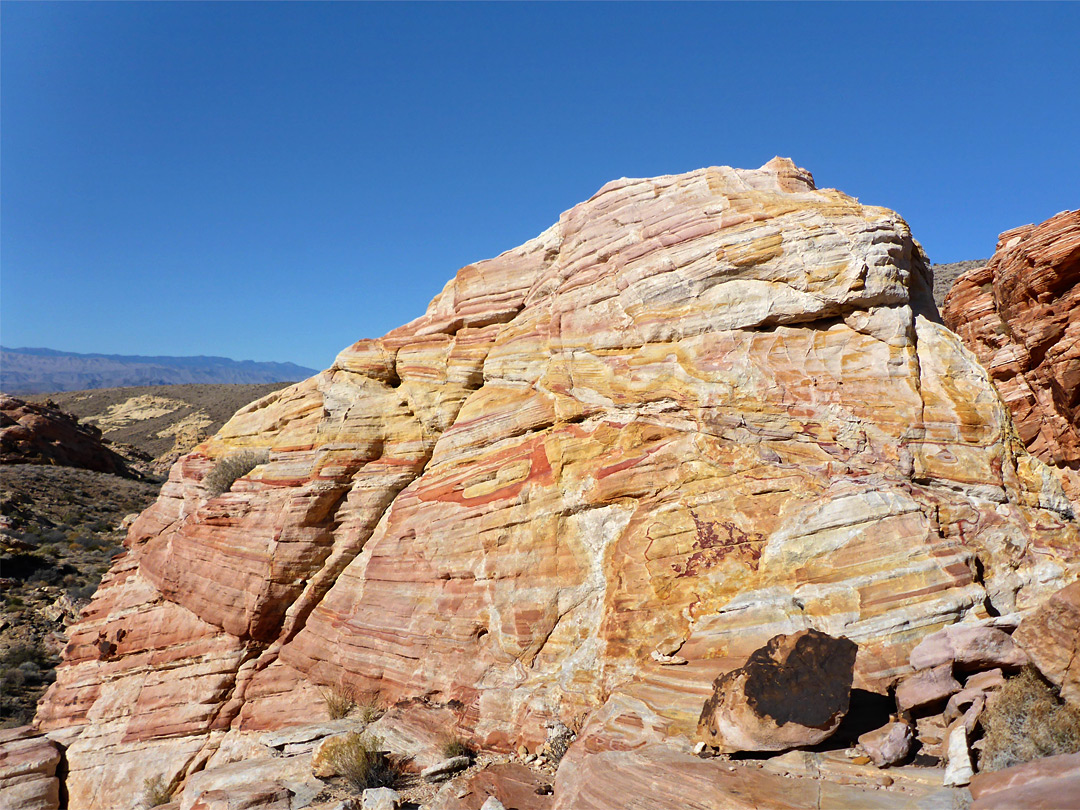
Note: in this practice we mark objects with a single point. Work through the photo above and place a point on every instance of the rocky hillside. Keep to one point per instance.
(35, 371)
(595, 514)
(1020, 314)
(64, 493)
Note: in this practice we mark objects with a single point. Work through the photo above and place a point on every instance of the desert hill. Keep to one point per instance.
(686, 481)
(163, 421)
(35, 371)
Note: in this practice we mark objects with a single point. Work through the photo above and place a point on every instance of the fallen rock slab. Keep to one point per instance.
(958, 770)
(926, 688)
(968, 647)
(1052, 783)
(887, 745)
(794, 691)
(1051, 637)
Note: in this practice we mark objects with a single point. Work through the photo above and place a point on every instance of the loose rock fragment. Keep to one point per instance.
(442, 770)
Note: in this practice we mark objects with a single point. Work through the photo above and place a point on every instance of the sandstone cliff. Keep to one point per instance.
(698, 411)
(1020, 315)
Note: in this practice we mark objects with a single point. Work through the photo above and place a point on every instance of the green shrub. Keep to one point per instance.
(358, 759)
(229, 468)
(156, 791)
(1027, 721)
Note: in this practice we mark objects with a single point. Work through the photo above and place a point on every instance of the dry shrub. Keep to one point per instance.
(229, 468)
(339, 700)
(357, 758)
(370, 709)
(451, 745)
(1027, 721)
(156, 791)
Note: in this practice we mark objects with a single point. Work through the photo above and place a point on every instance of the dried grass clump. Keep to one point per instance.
(229, 468)
(339, 700)
(358, 759)
(156, 791)
(369, 707)
(1026, 721)
(451, 745)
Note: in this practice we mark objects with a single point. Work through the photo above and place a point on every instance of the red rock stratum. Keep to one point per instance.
(1020, 314)
(698, 411)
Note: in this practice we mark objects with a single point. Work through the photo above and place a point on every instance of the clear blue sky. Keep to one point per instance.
(275, 181)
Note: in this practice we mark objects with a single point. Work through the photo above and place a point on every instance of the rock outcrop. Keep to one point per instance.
(28, 763)
(699, 411)
(43, 434)
(1020, 314)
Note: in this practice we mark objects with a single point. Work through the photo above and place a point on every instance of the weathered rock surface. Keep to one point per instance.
(699, 411)
(887, 745)
(1051, 783)
(968, 647)
(380, 799)
(510, 784)
(655, 776)
(792, 692)
(1020, 314)
(28, 764)
(1051, 637)
(926, 687)
(41, 434)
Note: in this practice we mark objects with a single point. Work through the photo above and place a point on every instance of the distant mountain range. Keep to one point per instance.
(39, 371)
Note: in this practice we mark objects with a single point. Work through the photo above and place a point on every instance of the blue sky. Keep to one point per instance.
(275, 181)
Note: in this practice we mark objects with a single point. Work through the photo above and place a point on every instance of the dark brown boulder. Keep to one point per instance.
(792, 692)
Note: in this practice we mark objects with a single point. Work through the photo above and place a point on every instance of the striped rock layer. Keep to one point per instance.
(1020, 315)
(698, 411)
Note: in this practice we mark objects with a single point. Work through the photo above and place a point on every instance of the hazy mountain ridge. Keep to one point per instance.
(40, 370)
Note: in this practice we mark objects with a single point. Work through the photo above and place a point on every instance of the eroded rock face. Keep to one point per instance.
(792, 692)
(699, 411)
(1020, 314)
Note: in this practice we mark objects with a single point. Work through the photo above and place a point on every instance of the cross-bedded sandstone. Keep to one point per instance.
(699, 411)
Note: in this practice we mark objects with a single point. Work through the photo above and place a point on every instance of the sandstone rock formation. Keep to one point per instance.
(42, 434)
(1020, 314)
(699, 411)
(28, 763)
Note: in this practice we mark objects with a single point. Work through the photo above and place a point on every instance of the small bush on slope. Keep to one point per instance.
(450, 745)
(357, 758)
(225, 472)
(1027, 721)
(156, 792)
(339, 700)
